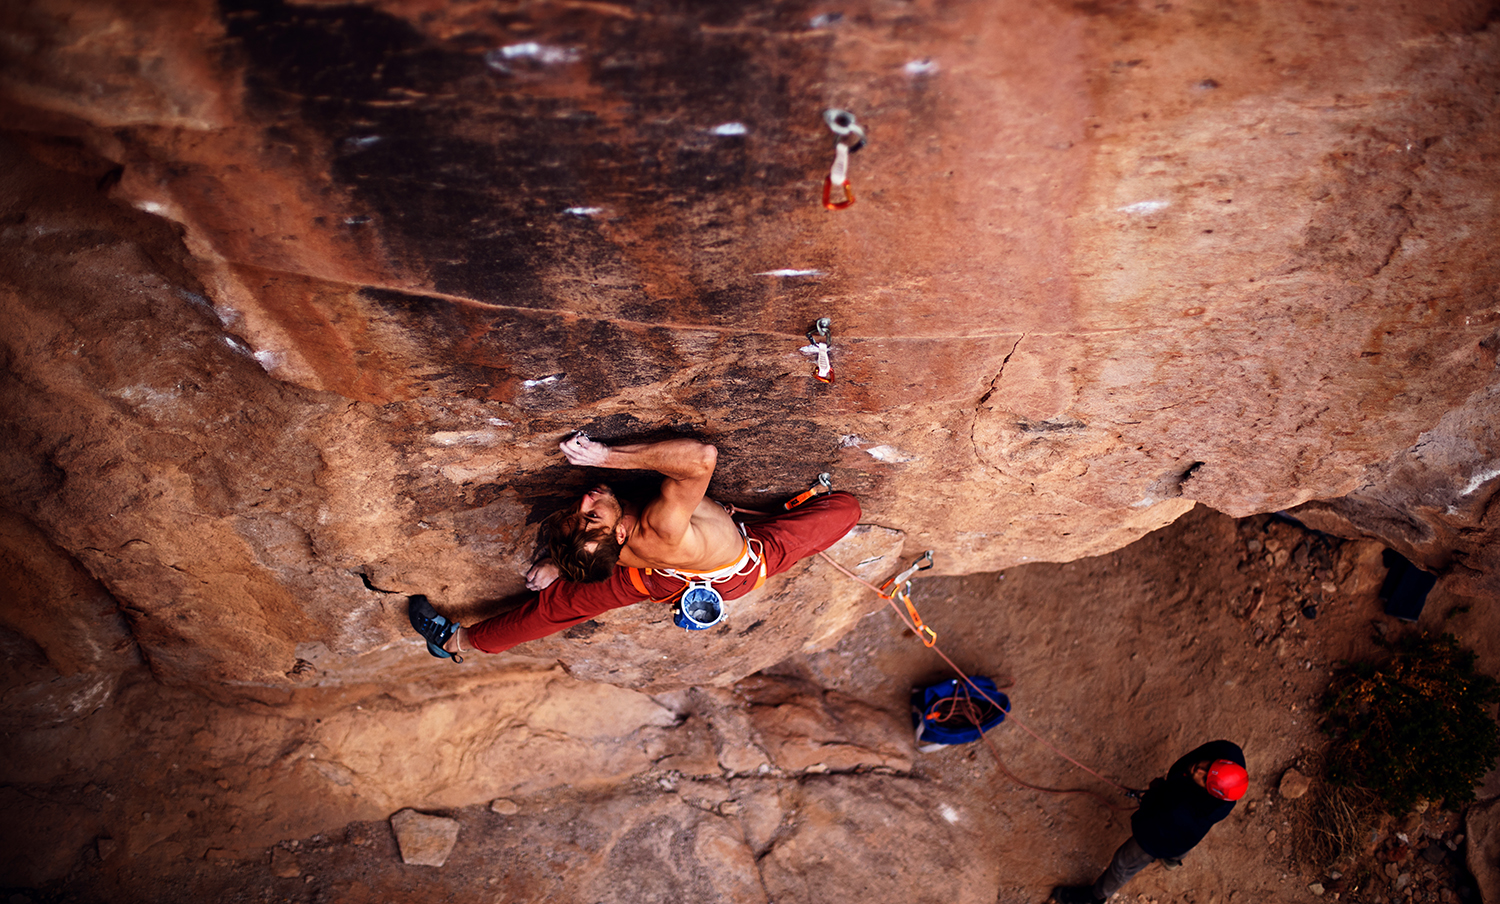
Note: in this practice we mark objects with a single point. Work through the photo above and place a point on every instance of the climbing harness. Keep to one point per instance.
(699, 604)
(851, 137)
(818, 340)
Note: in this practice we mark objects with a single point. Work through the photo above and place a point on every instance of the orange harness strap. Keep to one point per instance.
(762, 579)
(637, 580)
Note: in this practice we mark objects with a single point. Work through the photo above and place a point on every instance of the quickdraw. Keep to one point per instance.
(929, 638)
(899, 588)
(824, 485)
(851, 137)
(818, 339)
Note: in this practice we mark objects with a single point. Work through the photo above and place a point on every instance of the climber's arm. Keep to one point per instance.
(687, 464)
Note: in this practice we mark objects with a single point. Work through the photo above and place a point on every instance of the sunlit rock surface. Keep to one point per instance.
(299, 298)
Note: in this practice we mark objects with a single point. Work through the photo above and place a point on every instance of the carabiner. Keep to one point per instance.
(828, 201)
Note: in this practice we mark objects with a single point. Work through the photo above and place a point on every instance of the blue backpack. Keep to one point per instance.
(952, 712)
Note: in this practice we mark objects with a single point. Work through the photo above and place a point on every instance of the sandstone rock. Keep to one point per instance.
(321, 371)
(848, 840)
(293, 324)
(1483, 830)
(806, 729)
(284, 864)
(1293, 784)
(504, 807)
(424, 840)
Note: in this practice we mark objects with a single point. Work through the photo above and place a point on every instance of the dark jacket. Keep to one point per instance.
(1175, 813)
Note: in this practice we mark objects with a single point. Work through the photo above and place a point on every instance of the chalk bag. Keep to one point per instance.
(953, 712)
(701, 607)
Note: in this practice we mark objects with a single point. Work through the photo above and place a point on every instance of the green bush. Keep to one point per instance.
(1416, 727)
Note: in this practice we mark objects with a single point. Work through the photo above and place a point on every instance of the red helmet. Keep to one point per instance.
(1226, 780)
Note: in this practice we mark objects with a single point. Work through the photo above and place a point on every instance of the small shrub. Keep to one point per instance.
(1337, 824)
(1417, 727)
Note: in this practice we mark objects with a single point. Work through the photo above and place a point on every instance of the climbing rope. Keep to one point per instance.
(900, 587)
(923, 632)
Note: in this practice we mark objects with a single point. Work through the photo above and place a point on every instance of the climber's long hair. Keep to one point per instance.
(566, 538)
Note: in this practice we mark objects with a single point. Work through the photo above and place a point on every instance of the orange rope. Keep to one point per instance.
(980, 691)
(890, 599)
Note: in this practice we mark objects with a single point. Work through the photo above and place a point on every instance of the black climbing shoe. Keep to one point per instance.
(1075, 894)
(434, 628)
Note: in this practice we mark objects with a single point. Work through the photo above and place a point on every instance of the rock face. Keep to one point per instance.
(1484, 849)
(1293, 784)
(299, 299)
(425, 840)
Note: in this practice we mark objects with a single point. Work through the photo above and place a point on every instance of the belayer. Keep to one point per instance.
(1176, 813)
(605, 552)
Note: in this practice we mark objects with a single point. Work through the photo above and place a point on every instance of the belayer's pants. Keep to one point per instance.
(1128, 860)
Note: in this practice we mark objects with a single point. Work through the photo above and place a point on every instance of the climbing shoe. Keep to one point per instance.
(1075, 894)
(1171, 862)
(434, 628)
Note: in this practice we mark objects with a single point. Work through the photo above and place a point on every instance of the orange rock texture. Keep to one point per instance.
(299, 298)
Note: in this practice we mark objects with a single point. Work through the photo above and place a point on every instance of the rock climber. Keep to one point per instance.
(604, 551)
(1176, 812)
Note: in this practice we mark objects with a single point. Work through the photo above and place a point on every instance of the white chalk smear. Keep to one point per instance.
(921, 67)
(889, 454)
(584, 211)
(147, 396)
(849, 440)
(948, 812)
(730, 128)
(498, 422)
(544, 381)
(1479, 480)
(268, 361)
(825, 19)
(152, 207)
(1144, 207)
(236, 345)
(195, 298)
(456, 438)
(790, 273)
(531, 50)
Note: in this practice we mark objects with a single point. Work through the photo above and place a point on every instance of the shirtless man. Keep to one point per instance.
(607, 552)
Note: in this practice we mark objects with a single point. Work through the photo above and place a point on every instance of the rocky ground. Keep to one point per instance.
(802, 784)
